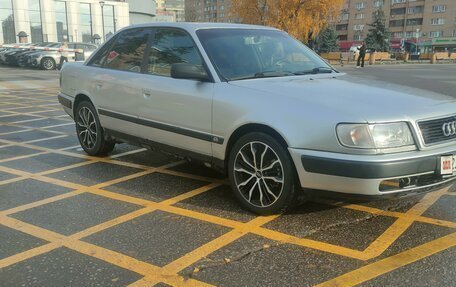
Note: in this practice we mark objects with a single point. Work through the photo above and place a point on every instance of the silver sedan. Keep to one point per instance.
(262, 108)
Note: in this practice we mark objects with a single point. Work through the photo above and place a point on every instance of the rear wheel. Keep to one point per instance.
(48, 64)
(89, 131)
(262, 174)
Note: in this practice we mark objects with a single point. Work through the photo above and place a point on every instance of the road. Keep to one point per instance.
(139, 218)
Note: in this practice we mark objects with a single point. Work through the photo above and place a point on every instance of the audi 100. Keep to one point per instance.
(262, 108)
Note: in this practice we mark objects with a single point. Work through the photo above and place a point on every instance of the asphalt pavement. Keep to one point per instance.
(140, 218)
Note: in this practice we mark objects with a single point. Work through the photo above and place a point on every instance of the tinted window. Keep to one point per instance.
(128, 51)
(100, 57)
(171, 46)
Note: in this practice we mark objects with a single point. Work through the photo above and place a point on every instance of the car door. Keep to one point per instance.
(116, 82)
(176, 112)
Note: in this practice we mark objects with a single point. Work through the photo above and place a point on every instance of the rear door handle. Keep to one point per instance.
(147, 93)
(99, 85)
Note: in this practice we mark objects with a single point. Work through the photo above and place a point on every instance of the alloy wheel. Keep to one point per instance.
(258, 174)
(48, 64)
(87, 128)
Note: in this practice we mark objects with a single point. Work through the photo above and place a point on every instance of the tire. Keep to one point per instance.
(270, 189)
(89, 131)
(48, 64)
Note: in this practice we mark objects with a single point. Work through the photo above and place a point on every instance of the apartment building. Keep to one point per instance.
(428, 22)
(208, 11)
(170, 10)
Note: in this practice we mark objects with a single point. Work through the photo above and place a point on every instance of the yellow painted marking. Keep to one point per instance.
(40, 202)
(28, 254)
(389, 264)
(385, 240)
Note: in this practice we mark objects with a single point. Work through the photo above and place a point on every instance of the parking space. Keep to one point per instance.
(140, 218)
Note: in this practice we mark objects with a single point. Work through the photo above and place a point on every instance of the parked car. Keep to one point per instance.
(20, 59)
(48, 60)
(264, 109)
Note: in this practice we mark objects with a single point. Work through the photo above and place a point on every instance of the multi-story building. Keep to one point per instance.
(170, 11)
(71, 20)
(431, 21)
(208, 11)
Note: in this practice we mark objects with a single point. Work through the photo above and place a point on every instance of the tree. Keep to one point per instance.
(378, 35)
(302, 19)
(328, 40)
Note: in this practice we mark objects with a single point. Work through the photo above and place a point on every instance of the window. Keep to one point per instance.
(358, 27)
(436, 34)
(398, 11)
(398, 34)
(378, 3)
(7, 34)
(342, 27)
(398, 1)
(85, 23)
(415, 10)
(61, 22)
(344, 17)
(438, 8)
(128, 51)
(36, 30)
(438, 21)
(360, 5)
(414, 22)
(359, 16)
(109, 27)
(357, 37)
(171, 46)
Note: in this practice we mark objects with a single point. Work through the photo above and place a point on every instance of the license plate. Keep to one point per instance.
(448, 165)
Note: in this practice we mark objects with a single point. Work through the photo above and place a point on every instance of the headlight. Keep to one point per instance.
(375, 136)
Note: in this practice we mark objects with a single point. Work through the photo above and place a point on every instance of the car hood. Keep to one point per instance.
(343, 97)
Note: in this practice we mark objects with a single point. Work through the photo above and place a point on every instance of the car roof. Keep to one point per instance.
(191, 26)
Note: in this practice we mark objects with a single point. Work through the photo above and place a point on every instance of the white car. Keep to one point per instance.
(264, 109)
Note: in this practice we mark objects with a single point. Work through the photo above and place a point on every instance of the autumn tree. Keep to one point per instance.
(300, 18)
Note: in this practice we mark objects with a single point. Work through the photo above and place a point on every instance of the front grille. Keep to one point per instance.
(432, 131)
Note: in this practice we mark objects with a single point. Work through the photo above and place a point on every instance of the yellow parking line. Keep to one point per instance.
(5, 262)
(389, 264)
(388, 237)
(40, 202)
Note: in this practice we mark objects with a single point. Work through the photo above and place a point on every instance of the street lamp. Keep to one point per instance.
(102, 19)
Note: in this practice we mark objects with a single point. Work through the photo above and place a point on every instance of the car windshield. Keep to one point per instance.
(239, 54)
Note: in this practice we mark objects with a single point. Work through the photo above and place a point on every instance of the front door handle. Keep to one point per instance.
(147, 93)
(99, 85)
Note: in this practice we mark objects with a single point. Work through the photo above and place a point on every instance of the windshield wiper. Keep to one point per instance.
(314, 71)
(265, 74)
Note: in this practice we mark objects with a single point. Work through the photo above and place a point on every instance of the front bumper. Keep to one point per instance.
(372, 175)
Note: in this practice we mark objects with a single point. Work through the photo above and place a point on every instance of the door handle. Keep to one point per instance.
(147, 93)
(99, 85)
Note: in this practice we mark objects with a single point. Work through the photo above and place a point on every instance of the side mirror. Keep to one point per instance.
(189, 72)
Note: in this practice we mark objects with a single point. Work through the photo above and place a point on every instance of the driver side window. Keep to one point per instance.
(171, 46)
(128, 51)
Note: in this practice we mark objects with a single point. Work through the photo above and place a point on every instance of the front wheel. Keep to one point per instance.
(89, 131)
(262, 174)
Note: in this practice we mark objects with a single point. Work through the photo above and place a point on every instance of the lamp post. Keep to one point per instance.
(102, 19)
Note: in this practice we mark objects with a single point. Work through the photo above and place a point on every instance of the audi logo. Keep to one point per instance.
(449, 129)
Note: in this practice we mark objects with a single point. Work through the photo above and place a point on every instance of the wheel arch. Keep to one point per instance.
(78, 99)
(249, 128)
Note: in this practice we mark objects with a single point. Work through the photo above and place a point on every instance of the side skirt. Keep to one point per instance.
(209, 161)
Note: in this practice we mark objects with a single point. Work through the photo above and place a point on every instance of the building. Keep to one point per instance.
(37, 21)
(170, 11)
(142, 11)
(208, 11)
(422, 21)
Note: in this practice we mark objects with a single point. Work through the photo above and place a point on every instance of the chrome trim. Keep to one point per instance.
(423, 142)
